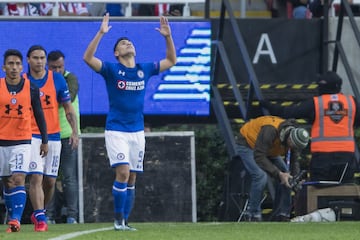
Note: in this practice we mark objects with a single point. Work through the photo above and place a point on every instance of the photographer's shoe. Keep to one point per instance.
(50, 220)
(282, 218)
(71, 220)
(255, 219)
(248, 217)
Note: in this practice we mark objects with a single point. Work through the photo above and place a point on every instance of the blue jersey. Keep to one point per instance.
(62, 94)
(126, 92)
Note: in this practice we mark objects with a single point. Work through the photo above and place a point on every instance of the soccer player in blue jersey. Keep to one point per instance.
(53, 92)
(124, 132)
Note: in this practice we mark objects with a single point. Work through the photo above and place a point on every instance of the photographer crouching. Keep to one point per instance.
(269, 147)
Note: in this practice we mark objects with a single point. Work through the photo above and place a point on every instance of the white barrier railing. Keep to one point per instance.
(128, 9)
(355, 2)
(338, 2)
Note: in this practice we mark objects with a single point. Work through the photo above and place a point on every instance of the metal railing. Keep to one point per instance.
(128, 9)
(339, 50)
(220, 56)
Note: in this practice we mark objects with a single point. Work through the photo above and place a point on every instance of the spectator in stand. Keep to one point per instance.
(160, 9)
(68, 155)
(20, 9)
(301, 9)
(114, 9)
(306, 9)
(317, 8)
(65, 9)
(2, 5)
(146, 10)
(96, 9)
(277, 8)
(135, 9)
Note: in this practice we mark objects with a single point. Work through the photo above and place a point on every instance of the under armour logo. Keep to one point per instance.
(18, 109)
(47, 99)
(122, 73)
(8, 109)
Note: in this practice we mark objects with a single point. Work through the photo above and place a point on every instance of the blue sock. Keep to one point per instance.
(15, 200)
(119, 193)
(40, 215)
(8, 202)
(130, 198)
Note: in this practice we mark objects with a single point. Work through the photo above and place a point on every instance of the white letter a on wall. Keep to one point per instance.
(264, 48)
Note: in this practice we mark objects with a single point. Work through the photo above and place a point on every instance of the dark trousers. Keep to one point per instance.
(329, 166)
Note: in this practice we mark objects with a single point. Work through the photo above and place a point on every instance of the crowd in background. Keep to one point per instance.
(89, 9)
(298, 9)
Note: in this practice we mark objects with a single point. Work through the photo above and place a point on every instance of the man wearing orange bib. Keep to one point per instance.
(333, 116)
(43, 171)
(18, 100)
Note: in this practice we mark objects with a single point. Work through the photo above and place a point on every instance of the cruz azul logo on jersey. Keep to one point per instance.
(336, 111)
(132, 85)
(46, 98)
(13, 101)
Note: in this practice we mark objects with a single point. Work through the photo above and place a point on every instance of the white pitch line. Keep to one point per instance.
(76, 234)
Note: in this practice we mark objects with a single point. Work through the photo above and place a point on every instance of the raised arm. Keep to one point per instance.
(89, 57)
(170, 59)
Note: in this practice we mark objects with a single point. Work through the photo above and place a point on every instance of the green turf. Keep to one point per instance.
(197, 231)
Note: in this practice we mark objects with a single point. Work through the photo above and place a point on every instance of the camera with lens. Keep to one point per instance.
(295, 181)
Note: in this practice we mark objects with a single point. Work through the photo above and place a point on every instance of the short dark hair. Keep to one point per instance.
(34, 48)
(119, 40)
(55, 55)
(12, 52)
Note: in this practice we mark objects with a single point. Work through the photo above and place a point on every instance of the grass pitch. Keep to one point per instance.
(196, 231)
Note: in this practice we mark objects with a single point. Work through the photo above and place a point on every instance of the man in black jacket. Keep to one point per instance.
(333, 116)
